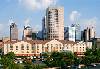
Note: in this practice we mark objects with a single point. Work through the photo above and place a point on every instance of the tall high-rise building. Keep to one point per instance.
(27, 33)
(44, 28)
(70, 33)
(88, 34)
(66, 33)
(77, 32)
(13, 32)
(55, 23)
(92, 33)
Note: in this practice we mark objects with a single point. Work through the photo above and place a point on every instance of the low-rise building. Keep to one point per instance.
(36, 47)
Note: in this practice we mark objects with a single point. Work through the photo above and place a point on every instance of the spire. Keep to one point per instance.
(11, 21)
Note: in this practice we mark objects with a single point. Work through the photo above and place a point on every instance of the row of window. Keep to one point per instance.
(22, 47)
(80, 49)
(33, 47)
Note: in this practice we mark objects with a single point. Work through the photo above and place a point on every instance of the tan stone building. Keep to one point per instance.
(36, 47)
(55, 23)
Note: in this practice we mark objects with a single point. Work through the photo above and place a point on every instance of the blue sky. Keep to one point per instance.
(86, 12)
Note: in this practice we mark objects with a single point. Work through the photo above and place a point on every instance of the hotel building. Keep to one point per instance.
(37, 47)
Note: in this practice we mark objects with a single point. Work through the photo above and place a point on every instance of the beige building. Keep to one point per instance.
(36, 47)
(55, 23)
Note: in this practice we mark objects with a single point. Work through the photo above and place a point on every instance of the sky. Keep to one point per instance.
(31, 12)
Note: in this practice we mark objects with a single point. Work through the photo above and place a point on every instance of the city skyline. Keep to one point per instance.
(32, 11)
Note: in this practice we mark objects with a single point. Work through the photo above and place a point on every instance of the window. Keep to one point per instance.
(47, 44)
(80, 48)
(37, 46)
(47, 47)
(37, 51)
(27, 47)
(42, 47)
(16, 47)
(33, 47)
(11, 47)
(60, 47)
(22, 47)
(33, 52)
(83, 48)
(27, 52)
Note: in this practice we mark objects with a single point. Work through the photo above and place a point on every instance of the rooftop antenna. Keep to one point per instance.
(11, 20)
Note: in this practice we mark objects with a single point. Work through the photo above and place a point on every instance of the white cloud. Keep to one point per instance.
(74, 16)
(37, 4)
(27, 22)
(91, 22)
(94, 22)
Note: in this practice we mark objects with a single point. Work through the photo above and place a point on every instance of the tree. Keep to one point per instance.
(8, 60)
(56, 59)
(91, 56)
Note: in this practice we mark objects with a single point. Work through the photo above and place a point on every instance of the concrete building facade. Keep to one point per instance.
(13, 32)
(55, 23)
(88, 34)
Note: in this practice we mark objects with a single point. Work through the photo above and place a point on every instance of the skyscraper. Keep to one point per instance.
(13, 32)
(66, 33)
(44, 28)
(77, 32)
(27, 33)
(88, 33)
(55, 23)
(92, 33)
(70, 33)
